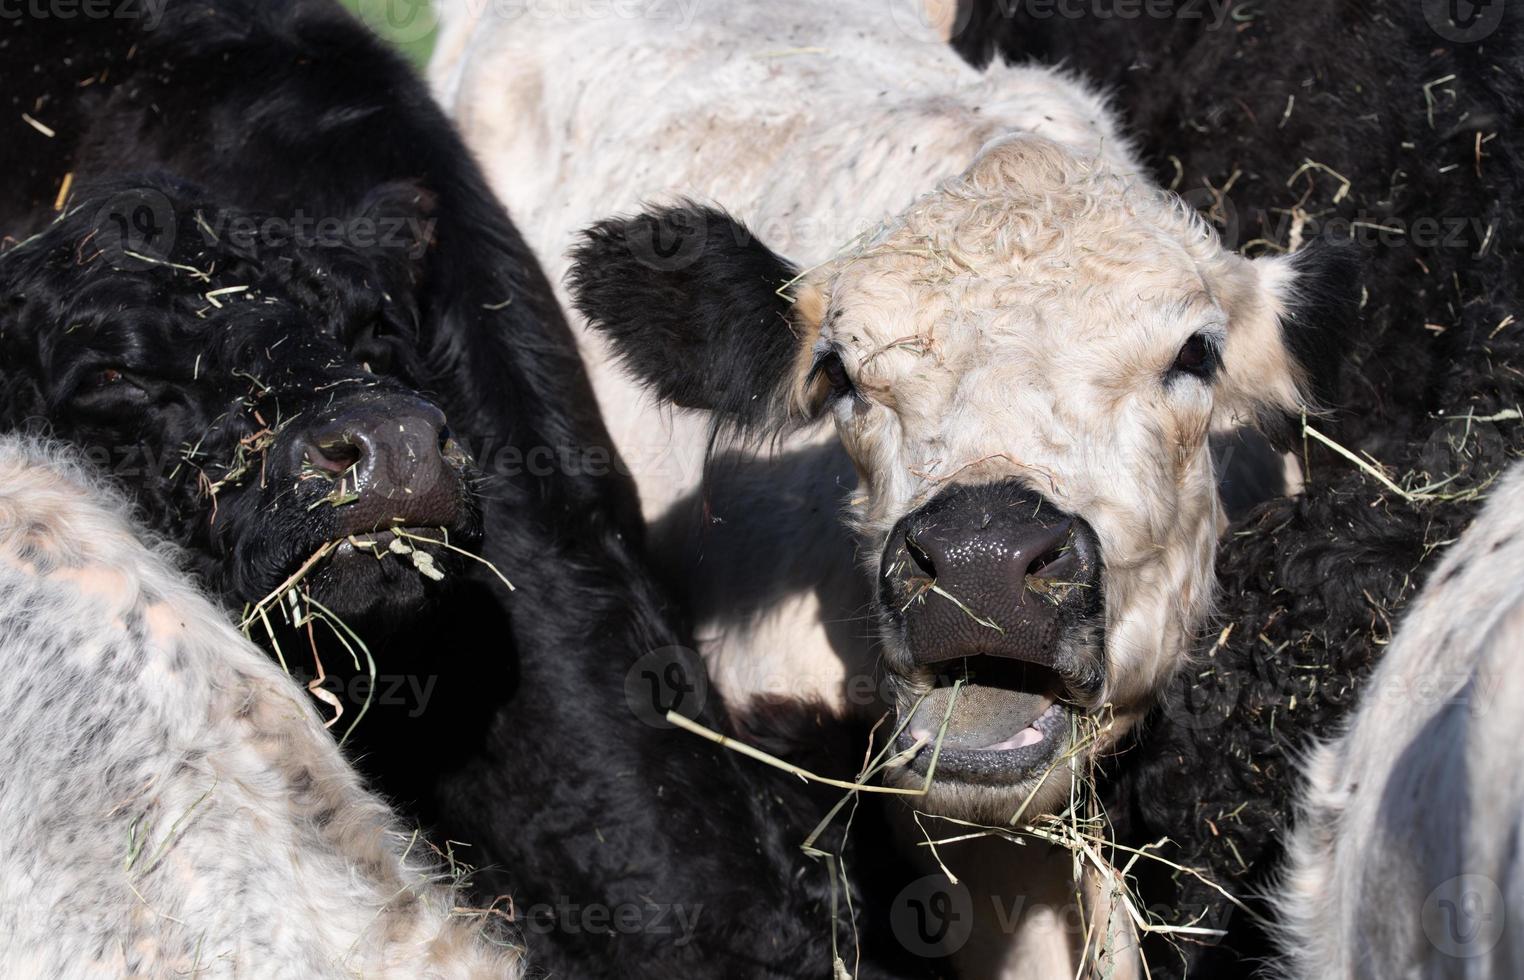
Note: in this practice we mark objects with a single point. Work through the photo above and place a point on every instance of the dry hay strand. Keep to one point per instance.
(1427, 493)
(930, 587)
(1083, 828)
(300, 611)
(835, 861)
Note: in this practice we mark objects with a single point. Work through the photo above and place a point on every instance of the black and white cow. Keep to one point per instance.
(1405, 111)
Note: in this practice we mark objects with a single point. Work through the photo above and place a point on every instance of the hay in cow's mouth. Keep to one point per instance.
(1084, 829)
(1010, 721)
(403, 542)
(293, 603)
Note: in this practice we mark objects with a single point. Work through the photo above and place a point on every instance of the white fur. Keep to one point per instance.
(170, 804)
(1425, 786)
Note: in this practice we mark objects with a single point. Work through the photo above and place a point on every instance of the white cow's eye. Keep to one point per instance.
(829, 366)
(1197, 358)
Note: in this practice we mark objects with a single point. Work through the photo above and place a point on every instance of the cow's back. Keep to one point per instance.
(170, 804)
(1405, 861)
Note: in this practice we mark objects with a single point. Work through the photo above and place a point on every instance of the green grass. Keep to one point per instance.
(408, 24)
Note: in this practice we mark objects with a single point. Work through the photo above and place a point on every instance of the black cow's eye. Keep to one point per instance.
(107, 389)
(829, 366)
(1197, 358)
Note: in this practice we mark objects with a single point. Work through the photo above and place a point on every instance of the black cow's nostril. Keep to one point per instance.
(337, 458)
(397, 460)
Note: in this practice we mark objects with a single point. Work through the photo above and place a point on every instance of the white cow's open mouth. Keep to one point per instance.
(1007, 724)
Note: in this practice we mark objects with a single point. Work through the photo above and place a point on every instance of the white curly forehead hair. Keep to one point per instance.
(1025, 367)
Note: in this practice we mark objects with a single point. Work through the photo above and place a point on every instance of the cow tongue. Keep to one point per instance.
(985, 718)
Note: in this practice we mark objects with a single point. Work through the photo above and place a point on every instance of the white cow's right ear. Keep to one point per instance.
(699, 310)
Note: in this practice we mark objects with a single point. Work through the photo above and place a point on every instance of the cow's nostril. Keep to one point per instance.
(1047, 563)
(920, 557)
(394, 460)
(336, 457)
(991, 570)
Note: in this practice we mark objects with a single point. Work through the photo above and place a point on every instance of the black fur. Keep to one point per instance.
(1249, 471)
(1109, 48)
(1311, 585)
(209, 399)
(696, 306)
(526, 746)
(1321, 323)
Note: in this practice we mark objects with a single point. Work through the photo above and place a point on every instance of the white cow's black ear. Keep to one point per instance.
(695, 307)
(1292, 324)
(1322, 308)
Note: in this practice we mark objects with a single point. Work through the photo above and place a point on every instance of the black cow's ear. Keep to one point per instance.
(400, 218)
(696, 308)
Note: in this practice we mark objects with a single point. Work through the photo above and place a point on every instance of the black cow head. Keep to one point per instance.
(250, 382)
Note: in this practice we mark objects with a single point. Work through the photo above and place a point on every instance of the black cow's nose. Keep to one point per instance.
(991, 569)
(387, 458)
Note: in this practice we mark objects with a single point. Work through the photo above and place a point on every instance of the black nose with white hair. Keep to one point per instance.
(992, 570)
